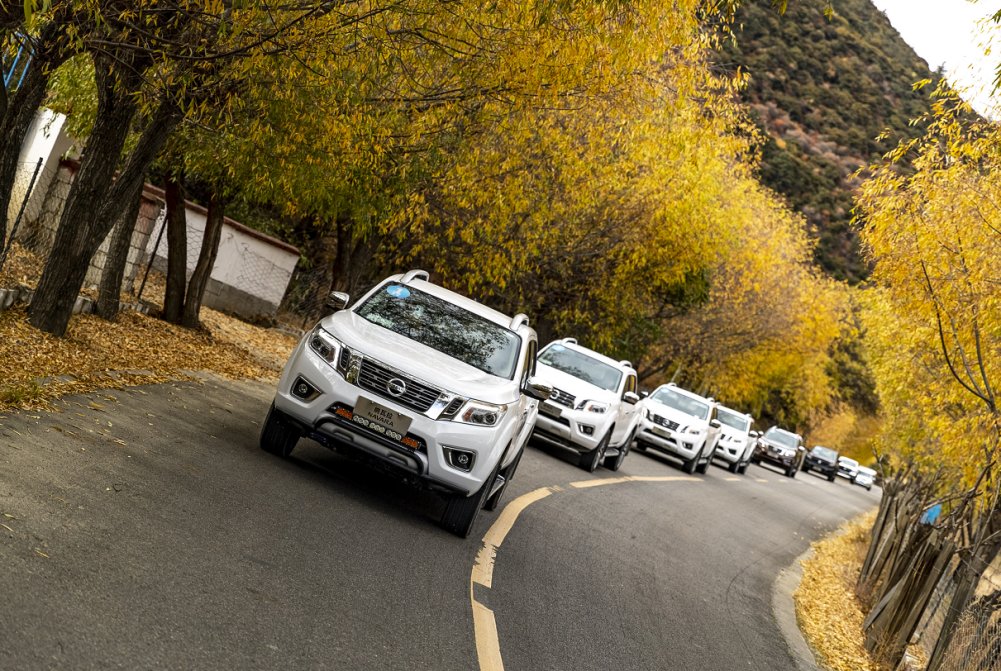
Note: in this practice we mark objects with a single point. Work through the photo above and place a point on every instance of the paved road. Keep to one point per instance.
(145, 529)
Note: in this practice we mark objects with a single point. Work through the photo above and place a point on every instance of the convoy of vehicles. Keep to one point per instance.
(781, 448)
(420, 380)
(681, 424)
(865, 477)
(847, 468)
(736, 443)
(822, 459)
(592, 410)
(445, 392)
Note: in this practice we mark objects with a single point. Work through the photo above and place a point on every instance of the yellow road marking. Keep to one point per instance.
(732, 479)
(761, 480)
(483, 569)
(584, 484)
(487, 643)
(484, 622)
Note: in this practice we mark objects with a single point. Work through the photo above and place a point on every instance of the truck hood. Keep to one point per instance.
(580, 389)
(419, 361)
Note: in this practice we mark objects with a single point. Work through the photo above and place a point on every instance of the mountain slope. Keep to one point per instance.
(823, 89)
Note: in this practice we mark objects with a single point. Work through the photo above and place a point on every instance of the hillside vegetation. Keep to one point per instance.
(824, 89)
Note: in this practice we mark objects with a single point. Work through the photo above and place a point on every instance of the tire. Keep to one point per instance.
(743, 469)
(734, 467)
(692, 464)
(590, 461)
(791, 472)
(615, 463)
(806, 468)
(461, 511)
(508, 473)
(640, 446)
(830, 478)
(702, 469)
(278, 435)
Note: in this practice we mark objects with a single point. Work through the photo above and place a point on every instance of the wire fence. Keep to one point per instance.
(249, 278)
(975, 641)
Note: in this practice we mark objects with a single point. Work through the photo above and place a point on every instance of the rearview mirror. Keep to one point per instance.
(714, 423)
(631, 397)
(337, 300)
(644, 393)
(538, 389)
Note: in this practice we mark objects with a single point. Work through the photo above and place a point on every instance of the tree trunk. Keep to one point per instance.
(80, 233)
(110, 291)
(177, 251)
(206, 259)
(75, 241)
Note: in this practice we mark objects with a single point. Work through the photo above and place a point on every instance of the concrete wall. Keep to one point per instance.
(251, 270)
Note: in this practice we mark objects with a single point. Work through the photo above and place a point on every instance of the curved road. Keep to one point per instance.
(145, 529)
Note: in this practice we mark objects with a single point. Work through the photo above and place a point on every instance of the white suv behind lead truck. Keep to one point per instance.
(424, 381)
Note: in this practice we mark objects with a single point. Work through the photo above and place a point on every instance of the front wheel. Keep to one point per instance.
(508, 474)
(278, 435)
(792, 471)
(703, 468)
(461, 511)
(590, 461)
(734, 467)
(615, 463)
(692, 464)
(830, 478)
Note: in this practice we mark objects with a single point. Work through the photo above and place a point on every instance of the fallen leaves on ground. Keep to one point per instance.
(36, 368)
(826, 607)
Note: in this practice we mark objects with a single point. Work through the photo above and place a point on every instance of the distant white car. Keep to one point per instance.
(736, 443)
(847, 468)
(679, 423)
(865, 477)
(593, 406)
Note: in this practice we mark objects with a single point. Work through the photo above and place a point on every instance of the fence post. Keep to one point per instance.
(152, 256)
(20, 212)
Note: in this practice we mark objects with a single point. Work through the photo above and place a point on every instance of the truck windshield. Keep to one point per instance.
(686, 404)
(782, 437)
(581, 366)
(445, 327)
(733, 419)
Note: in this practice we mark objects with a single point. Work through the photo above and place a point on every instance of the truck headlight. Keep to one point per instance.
(330, 349)
(594, 406)
(480, 413)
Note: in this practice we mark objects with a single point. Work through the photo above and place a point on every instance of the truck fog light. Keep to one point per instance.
(586, 430)
(303, 390)
(688, 446)
(462, 460)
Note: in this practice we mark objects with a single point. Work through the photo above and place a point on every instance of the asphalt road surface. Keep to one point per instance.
(146, 529)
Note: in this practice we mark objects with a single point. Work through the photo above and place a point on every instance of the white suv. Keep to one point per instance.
(427, 382)
(680, 423)
(736, 443)
(593, 407)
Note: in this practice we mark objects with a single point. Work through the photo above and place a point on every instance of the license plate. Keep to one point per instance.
(662, 432)
(381, 419)
(551, 409)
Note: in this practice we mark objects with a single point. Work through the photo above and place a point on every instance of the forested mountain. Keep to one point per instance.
(824, 88)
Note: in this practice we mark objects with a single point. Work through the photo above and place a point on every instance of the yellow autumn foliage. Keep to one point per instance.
(934, 317)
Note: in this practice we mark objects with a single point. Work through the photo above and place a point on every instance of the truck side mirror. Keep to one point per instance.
(336, 300)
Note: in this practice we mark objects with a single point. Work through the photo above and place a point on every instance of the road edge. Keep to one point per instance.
(784, 610)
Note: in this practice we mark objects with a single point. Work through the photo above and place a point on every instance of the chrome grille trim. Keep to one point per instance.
(373, 376)
(663, 421)
(563, 398)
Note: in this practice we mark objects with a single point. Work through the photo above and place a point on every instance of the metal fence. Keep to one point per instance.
(975, 641)
(36, 207)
